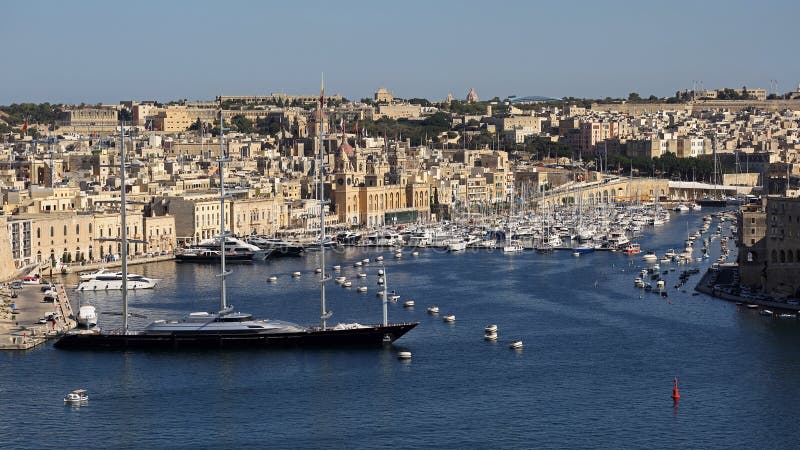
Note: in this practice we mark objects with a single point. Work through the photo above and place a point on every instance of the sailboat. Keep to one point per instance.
(229, 329)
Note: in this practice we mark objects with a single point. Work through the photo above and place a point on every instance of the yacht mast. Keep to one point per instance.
(124, 231)
(221, 160)
(324, 314)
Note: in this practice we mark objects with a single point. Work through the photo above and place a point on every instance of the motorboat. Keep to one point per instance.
(403, 355)
(347, 284)
(583, 248)
(272, 279)
(650, 257)
(103, 280)
(632, 248)
(362, 275)
(515, 345)
(513, 247)
(449, 318)
(490, 328)
(490, 336)
(234, 246)
(76, 397)
(680, 207)
(408, 304)
(87, 316)
(362, 289)
(766, 312)
(296, 274)
(433, 310)
(456, 245)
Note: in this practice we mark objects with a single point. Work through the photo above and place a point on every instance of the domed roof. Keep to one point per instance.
(346, 148)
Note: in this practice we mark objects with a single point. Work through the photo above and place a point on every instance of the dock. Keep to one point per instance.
(19, 316)
(716, 283)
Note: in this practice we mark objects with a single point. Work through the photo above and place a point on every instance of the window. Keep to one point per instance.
(52, 231)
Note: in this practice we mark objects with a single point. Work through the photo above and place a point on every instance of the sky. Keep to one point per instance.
(104, 51)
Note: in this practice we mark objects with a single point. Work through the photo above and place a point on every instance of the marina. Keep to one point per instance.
(558, 305)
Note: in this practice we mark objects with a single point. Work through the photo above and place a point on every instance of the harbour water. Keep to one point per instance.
(596, 369)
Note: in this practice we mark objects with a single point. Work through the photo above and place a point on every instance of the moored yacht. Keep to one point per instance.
(103, 280)
(227, 328)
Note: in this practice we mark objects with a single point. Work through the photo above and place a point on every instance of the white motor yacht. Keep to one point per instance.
(77, 396)
(104, 281)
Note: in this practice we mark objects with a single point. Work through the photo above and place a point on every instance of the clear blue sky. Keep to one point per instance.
(106, 51)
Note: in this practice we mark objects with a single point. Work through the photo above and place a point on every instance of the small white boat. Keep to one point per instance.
(347, 284)
(414, 253)
(576, 254)
(515, 345)
(337, 268)
(408, 304)
(317, 270)
(365, 260)
(362, 275)
(398, 255)
(490, 328)
(765, 312)
(380, 280)
(379, 258)
(403, 355)
(296, 274)
(362, 289)
(660, 284)
(449, 318)
(272, 279)
(787, 316)
(650, 257)
(87, 316)
(379, 294)
(357, 264)
(380, 272)
(340, 280)
(490, 336)
(76, 396)
(433, 310)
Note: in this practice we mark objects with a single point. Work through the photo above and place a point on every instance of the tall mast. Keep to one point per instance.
(385, 300)
(123, 232)
(324, 314)
(221, 160)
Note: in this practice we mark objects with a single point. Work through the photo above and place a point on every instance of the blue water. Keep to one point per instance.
(596, 370)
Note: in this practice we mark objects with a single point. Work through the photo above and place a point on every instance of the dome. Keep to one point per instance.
(346, 148)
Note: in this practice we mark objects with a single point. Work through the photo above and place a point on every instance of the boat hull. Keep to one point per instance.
(213, 259)
(370, 336)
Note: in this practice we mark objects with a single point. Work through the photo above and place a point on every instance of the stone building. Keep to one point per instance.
(382, 95)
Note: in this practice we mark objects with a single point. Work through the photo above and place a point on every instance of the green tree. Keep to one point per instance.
(242, 124)
(196, 126)
(634, 97)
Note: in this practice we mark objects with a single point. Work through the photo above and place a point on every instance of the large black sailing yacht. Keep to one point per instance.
(227, 328)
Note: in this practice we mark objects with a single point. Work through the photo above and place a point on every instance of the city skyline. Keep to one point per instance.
(88, 52)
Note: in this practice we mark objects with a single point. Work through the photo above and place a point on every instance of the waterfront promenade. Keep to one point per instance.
(19, 327)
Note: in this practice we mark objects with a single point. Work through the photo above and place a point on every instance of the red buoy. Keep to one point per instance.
(675, 394)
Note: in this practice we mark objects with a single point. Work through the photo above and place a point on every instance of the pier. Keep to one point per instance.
(19, 316)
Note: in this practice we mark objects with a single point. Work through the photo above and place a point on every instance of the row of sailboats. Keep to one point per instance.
(227, 328)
